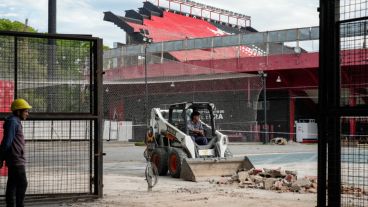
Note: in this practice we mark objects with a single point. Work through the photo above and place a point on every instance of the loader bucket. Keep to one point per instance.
(200, 169)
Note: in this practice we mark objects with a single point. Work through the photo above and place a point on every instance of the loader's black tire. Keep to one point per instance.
(176, 157)
(159, 158)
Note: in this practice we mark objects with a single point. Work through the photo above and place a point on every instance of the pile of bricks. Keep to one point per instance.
(350, 190)
(271, 179)
(281, 181)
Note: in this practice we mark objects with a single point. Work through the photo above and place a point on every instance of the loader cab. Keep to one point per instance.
(179, 116)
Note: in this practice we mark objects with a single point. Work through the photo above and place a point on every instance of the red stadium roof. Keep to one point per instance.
(178, 27)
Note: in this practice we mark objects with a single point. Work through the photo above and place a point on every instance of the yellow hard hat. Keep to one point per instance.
(20, 103)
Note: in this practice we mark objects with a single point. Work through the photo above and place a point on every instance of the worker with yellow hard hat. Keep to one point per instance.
(12, 150)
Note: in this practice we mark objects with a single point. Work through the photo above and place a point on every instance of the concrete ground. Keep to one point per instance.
(124, 183)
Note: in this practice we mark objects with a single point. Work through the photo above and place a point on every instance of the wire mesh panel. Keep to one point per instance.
(354, 162)
(59, 76)
(58, 157)
(129, 97)
(354, 53)
(354, 93)
(7, 72)
(53, 74)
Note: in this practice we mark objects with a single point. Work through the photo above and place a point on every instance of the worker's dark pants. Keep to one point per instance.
(16, 186)
(200, 140)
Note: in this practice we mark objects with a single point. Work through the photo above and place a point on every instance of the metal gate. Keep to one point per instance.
(343, 104)
(61, 77)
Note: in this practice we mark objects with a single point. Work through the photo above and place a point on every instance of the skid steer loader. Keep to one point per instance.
(171, 148)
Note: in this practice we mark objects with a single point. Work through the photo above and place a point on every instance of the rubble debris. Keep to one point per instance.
(351, 190)
(279, 141)
(304, 182)
(268, 183)
(243, 176)
(279, 180)
(271, 179)
(312, 190)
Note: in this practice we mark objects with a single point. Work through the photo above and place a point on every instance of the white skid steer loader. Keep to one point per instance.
(171, 148)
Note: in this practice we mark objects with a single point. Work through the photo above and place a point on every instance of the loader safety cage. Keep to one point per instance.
(61, 77)
(195, 106)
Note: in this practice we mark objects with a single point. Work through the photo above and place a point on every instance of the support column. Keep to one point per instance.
(291, 117)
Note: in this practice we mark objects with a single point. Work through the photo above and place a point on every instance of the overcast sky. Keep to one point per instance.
(86, 16)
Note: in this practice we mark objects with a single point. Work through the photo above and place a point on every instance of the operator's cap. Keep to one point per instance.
(19, 104)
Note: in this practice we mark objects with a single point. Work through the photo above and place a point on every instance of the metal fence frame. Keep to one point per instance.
(330, 109)
(95, 114)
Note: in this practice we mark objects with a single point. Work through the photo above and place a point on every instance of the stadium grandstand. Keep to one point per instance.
(292, 79)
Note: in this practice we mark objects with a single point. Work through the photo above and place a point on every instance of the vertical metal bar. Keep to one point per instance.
(291, 117)
(365, 36)
(328, 123)
(265, 107)
(322, 120)
(98, 106)
(51, 52)
(90, 155)
(267, 47)
(238, 49)
(91, 72)
(52, 17)
(334, 146)
(15, 67)
(145, 85)
(162, 52)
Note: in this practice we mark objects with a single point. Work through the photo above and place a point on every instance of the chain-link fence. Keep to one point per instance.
(59, 76)
(129, 96)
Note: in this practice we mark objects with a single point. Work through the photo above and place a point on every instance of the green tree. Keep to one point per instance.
(6, 24)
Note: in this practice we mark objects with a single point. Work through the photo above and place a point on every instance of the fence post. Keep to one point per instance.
(328, 125)
(98, 96)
